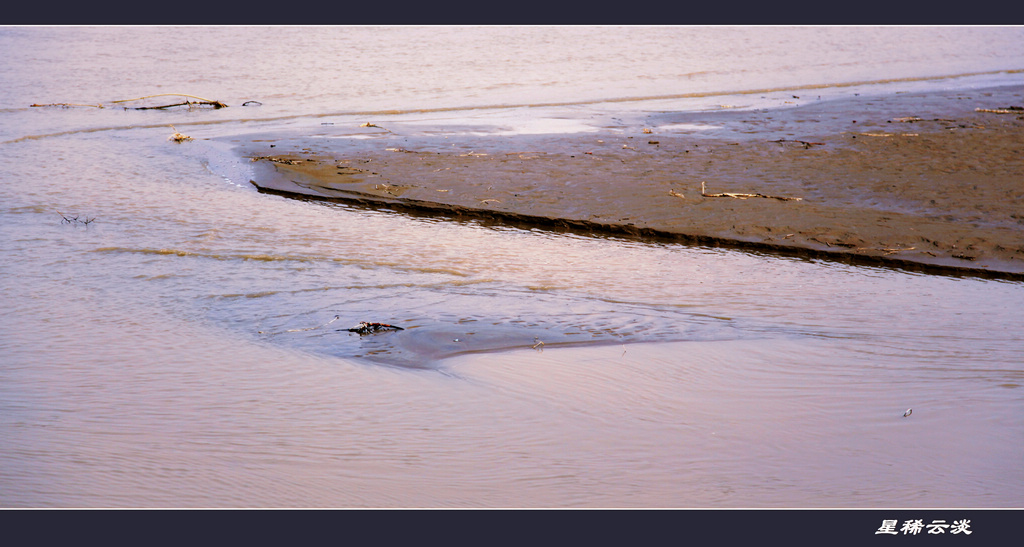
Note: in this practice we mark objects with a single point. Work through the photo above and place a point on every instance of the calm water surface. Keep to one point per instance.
(187, 347)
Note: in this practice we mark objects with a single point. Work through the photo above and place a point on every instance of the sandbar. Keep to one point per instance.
(926, 181)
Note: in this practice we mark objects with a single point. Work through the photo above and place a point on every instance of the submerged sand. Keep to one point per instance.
(927, 181)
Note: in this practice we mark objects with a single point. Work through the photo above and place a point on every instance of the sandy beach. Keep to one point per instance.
(931, 182)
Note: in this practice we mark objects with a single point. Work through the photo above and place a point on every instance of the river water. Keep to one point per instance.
(173, 338)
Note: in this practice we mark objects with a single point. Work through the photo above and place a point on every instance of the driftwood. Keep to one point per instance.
(214, 103)
(805, 143)
(66, 105)
(893, 134)
(912, 119)
(65, 219)
(275, 160)
(1004, 110)
(370, 328)
(744, 196)
(891, 251)
(361, 329)
(200, 101)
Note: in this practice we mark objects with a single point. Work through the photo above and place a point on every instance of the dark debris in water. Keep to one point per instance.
(371, 328)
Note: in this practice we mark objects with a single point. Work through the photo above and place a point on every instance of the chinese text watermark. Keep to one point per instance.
(915, 527)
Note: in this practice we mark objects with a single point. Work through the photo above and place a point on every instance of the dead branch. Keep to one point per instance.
(67, 105)
(1004, 110)
(276, 160)
(393, 189)
(65, 219)
(912, 119)
(369, 328)
(805, 143)
(199, 101)
(889, 251)
(890, 134)
(744, 196)
(190, 104)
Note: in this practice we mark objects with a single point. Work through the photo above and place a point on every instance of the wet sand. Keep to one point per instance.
(931, 182)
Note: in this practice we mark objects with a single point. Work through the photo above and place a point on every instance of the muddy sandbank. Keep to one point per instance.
(927, 181)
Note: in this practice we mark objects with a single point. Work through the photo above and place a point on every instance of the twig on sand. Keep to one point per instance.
(393, 189)
(892, 134)
(272, 159)
(1006, 110)
(913, 119)
(744, 196)
(805, 143)
(66, 105)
